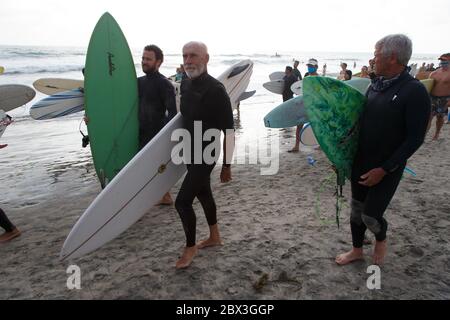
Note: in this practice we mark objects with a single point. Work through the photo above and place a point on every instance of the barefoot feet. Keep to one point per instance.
(348, 257)
(187, 257)
(379, 252)
(166, 200)
(7, 236)
(209, 243)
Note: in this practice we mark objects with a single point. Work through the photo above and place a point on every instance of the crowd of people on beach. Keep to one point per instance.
(427, 71)
(393, 126)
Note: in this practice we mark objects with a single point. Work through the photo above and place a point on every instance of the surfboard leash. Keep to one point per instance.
(325, 182)
(85, 139)
(340, 199)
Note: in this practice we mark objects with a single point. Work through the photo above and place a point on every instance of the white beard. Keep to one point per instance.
(192, 74)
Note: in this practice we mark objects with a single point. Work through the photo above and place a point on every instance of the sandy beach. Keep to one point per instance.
(275, 245)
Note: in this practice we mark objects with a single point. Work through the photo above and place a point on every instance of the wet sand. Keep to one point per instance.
(276, 247)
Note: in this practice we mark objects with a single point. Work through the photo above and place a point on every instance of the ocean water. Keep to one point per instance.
(39, 152)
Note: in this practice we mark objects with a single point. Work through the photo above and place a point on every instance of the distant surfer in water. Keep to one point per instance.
(392, 128)
(205, 102)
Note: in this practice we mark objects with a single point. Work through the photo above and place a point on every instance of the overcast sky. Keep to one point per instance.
(232, 26)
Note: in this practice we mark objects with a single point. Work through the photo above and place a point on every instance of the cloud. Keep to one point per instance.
(232, 25)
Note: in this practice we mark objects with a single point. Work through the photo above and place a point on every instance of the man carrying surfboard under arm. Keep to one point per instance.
(205, 102)
(156, 96)
(392, 128)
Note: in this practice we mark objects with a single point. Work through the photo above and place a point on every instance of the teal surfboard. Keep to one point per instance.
(288, 114)
(333, 109)
(292, 112)
(360, 84)
(111, 99)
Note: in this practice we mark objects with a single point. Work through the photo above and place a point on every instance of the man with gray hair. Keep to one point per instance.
(204, 102)
(392, 128)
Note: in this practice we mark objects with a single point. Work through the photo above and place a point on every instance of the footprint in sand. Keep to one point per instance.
(416, 252)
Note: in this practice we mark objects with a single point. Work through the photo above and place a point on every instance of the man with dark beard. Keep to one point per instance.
(156, 96)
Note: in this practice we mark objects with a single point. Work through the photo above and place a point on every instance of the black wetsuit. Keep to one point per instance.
(393, 127)
(5, 223)
(288, 82)
(297, 74)
(156, 95)
(202, 99)
(349, 74)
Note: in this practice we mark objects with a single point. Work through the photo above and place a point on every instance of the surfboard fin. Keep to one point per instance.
(246, 95)
(238, 70)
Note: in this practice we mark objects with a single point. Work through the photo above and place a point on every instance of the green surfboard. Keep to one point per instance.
(111, 99)
(333, 109)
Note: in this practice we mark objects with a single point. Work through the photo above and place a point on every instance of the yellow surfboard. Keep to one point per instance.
(52, 86)
(428, 83)
(423, 75)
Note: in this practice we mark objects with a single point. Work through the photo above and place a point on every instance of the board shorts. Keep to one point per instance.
(439, 106)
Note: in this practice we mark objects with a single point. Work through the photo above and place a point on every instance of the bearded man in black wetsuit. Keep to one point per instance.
(392, 128)
(156, 96)
(205, 103)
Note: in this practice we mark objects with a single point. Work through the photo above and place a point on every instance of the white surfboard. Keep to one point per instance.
(277, 75)
(15, 95)
(5, 121)
(58, 105)
(52, 86)
(177, 87)
(236, 80)
(307, 136)
(297, 87)
(275, 86)
(131, 194)
(413, 72)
